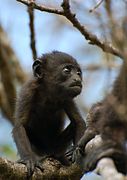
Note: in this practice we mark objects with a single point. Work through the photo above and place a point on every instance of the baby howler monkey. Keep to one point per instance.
(39, 116)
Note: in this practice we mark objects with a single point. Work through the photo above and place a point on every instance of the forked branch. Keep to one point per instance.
(66, 12)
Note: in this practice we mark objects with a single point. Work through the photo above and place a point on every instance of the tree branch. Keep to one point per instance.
(93, 39)
(41, 7)
(96, 6)
(7, 80)
(88, 36)
(18, 72)
(32, 31)
(10, 70)
(106, 168)
(52, 170)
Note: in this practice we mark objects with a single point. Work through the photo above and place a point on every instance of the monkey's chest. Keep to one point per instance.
(43, 129)
(44, 123)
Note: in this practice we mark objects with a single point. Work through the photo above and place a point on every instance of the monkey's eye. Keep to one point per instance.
(79, 73)
(67, 70)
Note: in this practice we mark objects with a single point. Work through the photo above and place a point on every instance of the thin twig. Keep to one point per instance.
(93, 39)
(95, 7)
(32, 31)
(41, 7)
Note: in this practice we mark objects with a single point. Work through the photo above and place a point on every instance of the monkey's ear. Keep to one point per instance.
(37, 69)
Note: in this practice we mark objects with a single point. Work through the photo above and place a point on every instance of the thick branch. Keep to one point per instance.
(7, 80)
(93, 39)
(106, 168)
(12, 59)
(52, 170)
(10, 70)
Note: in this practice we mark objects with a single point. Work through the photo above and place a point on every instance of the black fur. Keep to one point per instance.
(39, 118)
(108, 119)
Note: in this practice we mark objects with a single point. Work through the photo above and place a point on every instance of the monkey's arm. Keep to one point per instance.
(23, 105)
(28, 157)
(21, 139)
(76, 120)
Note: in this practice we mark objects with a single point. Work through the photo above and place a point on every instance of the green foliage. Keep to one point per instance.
(8, 151)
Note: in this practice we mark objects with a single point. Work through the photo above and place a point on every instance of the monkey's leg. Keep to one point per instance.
(62, 143)
(28, 157)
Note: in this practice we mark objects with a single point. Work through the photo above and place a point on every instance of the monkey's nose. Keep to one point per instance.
(77, 82)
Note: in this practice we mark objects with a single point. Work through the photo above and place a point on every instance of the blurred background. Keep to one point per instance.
(52, 32)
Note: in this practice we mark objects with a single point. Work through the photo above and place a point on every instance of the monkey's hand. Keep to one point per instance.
(107, 149)
(69, 153)
(78, 156)
(31, 163)
(74, 154)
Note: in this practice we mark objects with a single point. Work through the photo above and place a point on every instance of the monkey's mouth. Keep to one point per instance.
(76, 84)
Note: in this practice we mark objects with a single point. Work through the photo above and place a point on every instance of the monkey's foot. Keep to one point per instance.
(31, 163)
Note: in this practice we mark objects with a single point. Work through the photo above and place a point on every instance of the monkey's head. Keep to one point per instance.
(60, 73)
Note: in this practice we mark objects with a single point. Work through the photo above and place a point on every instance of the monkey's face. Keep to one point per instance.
(60, 73)
(70, 80)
